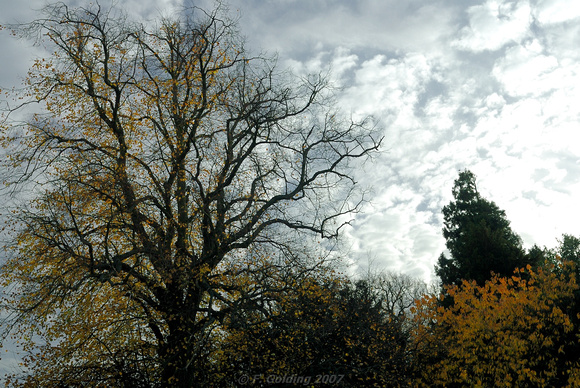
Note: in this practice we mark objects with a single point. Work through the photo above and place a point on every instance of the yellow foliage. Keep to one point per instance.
(162, 165)
(514, 331)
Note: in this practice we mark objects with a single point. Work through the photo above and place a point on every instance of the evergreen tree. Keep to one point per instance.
(479, 237)
(569, 248)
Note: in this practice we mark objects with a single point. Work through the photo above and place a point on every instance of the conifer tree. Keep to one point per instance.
(479, 237)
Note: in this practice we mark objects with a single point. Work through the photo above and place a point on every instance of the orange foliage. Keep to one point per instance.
(516, 331)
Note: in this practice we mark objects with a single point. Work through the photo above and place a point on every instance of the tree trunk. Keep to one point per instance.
(178, 355)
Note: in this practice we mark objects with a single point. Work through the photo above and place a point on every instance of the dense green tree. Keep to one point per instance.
(479, 237)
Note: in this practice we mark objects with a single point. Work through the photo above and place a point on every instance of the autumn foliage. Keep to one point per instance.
(513, 331)
(162, 169)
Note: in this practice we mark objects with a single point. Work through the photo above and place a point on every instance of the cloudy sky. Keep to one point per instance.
(492, 86)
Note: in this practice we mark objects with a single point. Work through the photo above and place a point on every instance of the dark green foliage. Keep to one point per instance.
(327, 329)
(569, 248)
(537, 255)
(479, 237)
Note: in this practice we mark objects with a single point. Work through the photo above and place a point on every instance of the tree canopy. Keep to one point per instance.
(519, 330)
(165, 169)
(325, 327)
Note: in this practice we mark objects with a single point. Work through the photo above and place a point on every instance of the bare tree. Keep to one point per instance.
(398, 292)
(162, 160)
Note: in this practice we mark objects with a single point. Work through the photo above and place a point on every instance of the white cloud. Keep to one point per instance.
(556, 11)
(342, 62)
(388, 87)
(525, 70)
(494, 24)
(397, 238)
(336, 64)
(496, 106)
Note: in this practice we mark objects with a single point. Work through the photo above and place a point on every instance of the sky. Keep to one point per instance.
(490, 86)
